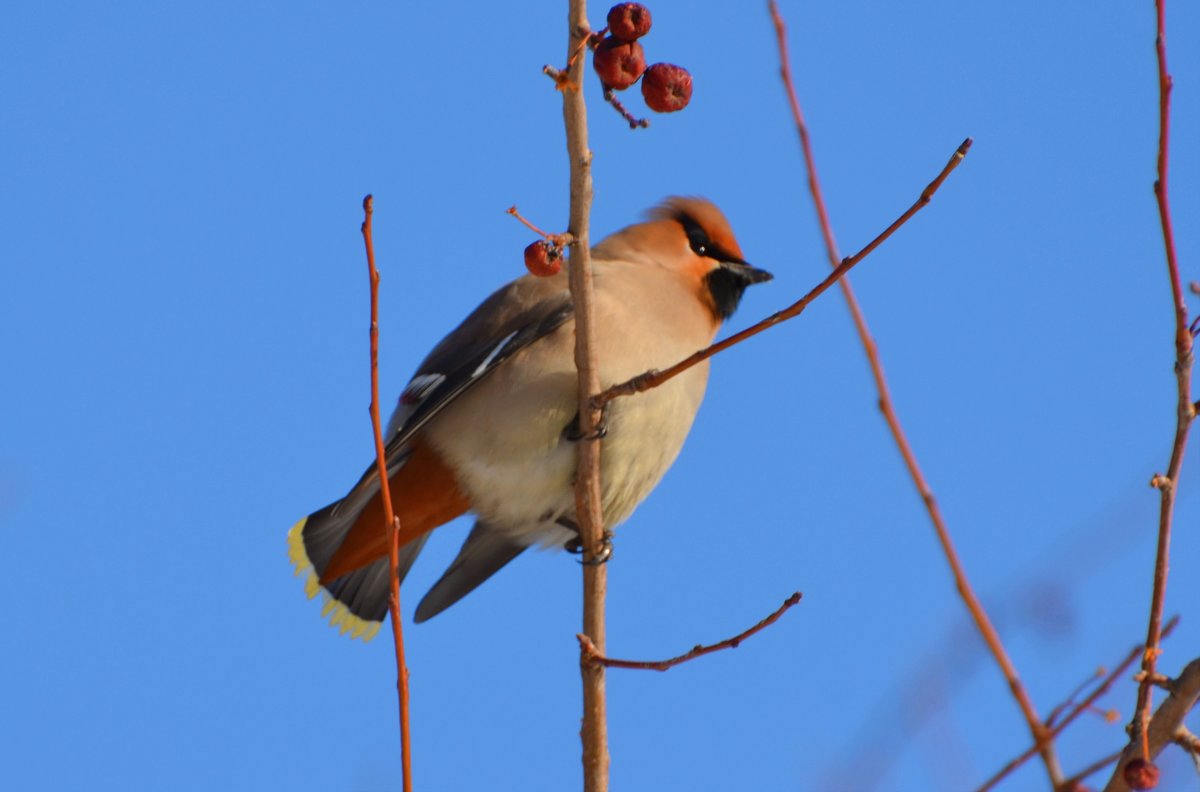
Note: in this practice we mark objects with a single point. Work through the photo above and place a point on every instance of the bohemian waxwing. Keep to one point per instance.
(486, 424)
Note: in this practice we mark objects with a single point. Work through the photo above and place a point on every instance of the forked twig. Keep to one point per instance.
(1075, 712)
(391, 521)
(593, 655)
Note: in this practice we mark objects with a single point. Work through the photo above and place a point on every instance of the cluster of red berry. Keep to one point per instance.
(620, 61)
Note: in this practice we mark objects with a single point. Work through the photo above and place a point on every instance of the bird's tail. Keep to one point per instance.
(355, 602)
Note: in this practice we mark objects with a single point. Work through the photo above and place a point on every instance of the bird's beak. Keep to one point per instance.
(745, 272)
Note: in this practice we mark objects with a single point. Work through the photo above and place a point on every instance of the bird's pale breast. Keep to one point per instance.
(505, 437)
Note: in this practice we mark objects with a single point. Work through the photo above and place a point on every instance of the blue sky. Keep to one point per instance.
(184, 313)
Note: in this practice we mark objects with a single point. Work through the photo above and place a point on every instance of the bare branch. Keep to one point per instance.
(594, 733)
(392, 522)
(652, 379)
(593, 655)
(886, 406)
(1078, 710)
(1185, 412)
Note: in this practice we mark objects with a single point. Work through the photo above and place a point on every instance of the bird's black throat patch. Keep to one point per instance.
(726, 288)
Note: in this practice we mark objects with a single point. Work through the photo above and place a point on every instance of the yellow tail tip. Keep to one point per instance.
(338, 614)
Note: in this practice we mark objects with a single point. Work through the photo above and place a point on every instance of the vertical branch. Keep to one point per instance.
(1036, 727)
(392, 522)
(1167, 485)
(594, 733)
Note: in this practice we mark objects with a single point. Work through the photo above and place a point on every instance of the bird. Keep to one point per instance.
(489, 423)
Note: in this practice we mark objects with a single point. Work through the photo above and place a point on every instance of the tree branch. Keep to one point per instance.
(652, 379)
(594, 733)
(886, 406)
(593, 654)
(391, 521)
(1185, 412)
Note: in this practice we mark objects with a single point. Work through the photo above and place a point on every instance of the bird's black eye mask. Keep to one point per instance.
(700, 243)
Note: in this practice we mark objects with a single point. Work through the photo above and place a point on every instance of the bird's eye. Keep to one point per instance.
(698, 240)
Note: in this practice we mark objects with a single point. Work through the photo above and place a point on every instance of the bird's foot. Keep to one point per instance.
(574, 434)
(575, 546)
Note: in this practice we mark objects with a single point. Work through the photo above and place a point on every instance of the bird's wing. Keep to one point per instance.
(510, 320)
(507, 322)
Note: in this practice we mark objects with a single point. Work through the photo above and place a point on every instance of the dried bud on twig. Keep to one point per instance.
(1140, 774)
(629, 21)
(667, 88)
(543, 258)
(619, 63)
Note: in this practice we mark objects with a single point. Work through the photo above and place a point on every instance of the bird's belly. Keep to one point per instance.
(646, 433)
(504, 441)
(519, 470)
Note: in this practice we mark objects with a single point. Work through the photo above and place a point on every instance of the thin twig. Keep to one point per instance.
(594, 655)
(1099, 673)
(1078, 710)
(652, 379)
(1184, 411)
(974, 606)
(391, 521)
(1074, 782)
(594, 733)
(558, 240)
(634, 122)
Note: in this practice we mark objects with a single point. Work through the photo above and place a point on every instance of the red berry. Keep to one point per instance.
(1140, 774)
(629, 21)
(667, 88)
(619, 63)
(543, 259)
